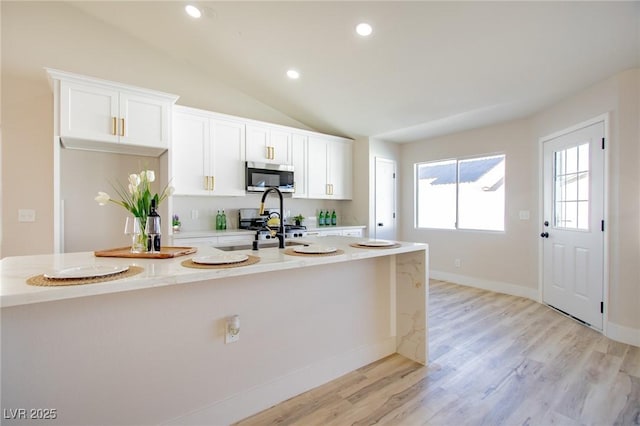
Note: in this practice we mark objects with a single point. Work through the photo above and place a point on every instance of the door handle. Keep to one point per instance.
(380, 224)
(546, 223)
(545, 235)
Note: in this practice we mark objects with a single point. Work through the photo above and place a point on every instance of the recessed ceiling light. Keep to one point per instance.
(364, 29)
(293, 74)
(193, 11)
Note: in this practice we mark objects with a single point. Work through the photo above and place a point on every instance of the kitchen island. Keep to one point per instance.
(150, 349)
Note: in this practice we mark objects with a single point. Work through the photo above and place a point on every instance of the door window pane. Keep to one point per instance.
(571, 188)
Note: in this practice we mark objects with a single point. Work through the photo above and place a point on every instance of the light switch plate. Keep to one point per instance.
(26, 215)
(524, 215)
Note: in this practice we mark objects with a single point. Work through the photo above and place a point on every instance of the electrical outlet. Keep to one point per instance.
(26, 215)
(457, 263)
(232, 329)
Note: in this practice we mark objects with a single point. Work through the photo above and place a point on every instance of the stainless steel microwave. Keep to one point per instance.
(260, 176)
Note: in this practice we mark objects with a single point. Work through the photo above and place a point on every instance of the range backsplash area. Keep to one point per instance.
(199, 213)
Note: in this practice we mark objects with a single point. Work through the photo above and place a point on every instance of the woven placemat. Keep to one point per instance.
(356, 245)
(291, 252)
(191, 264)
(41, 280)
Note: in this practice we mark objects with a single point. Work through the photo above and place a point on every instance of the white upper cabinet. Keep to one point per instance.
(329, 169)
(227, 157)
(299, 144)
(267, 144)
(105, 116)
(207, 154)
(190, 154)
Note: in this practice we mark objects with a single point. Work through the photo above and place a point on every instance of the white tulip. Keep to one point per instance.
(102, 198)
(151, 175)
(134, 180)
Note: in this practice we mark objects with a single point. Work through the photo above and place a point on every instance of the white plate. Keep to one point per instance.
(314, 249)
(86, 271)
(377, 243)
(220, 259)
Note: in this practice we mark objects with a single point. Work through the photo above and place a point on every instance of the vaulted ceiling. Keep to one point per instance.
(429, 68)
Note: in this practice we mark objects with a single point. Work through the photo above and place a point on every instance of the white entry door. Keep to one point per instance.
(573, 223)
(385, 201)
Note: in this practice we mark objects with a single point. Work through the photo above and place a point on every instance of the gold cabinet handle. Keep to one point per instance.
(114, 124)
(213, 183)
(122, 128)
(206, 182)
(327, 190)
(273, 153)
(268, 153)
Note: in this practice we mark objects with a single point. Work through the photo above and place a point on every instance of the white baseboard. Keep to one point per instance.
(497, 286)
(621, 333)
(263, 396)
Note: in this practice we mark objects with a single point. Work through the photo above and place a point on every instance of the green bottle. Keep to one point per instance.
(334, 218)
(223, 220)
(321, 218)
(218, 220)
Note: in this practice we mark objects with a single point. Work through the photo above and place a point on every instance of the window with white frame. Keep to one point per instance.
(461, 193)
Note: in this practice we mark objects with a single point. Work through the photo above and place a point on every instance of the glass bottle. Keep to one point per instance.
(334, 218)
(223, 220)
(153, 229)
(321, 218)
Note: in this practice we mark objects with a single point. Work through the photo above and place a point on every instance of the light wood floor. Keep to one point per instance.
(494, 359)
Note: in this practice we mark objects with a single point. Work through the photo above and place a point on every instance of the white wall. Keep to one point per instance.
(361, 210)
(508, 261)
(53, 34)
(619, 96)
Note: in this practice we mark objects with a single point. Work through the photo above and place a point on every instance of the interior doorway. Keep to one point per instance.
(385, 199)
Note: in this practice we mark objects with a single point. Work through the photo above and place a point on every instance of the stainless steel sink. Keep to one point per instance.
(261, 244)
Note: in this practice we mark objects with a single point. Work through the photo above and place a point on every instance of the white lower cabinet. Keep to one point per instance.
(335, 232)
(207, 154)
(352, 233)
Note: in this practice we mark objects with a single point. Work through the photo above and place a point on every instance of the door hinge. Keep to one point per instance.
(394, 175)
(602, 143)
(602, 225)
(394, 215)
(602, 307)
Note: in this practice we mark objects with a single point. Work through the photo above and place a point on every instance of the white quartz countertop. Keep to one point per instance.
(14, 271)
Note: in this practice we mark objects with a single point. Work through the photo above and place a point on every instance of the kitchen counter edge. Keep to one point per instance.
(14, 271)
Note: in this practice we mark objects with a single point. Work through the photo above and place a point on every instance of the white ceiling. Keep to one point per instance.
(429, 68)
